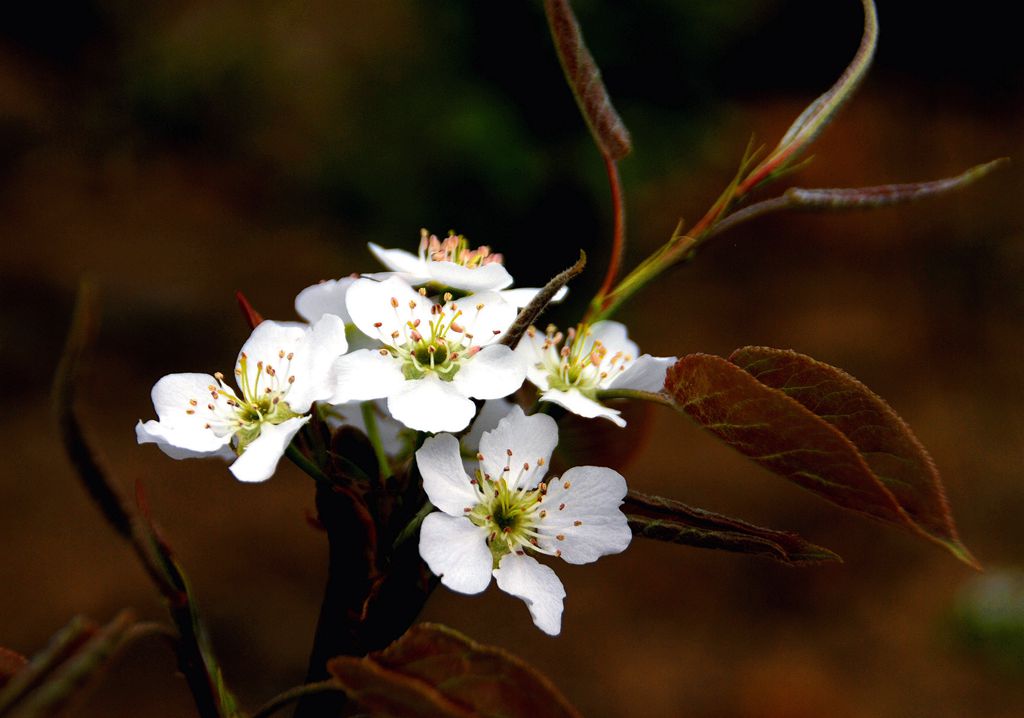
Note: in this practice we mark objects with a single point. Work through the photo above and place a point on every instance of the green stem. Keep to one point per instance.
(373, 434)
(293, 694)
(414, 524)
(304, 463)
(651, 396)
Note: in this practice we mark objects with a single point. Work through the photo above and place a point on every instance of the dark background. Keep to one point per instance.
(179, 151)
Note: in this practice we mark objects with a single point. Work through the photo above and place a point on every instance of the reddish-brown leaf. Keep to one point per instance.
(434, 671)
(795, 440)
(883, 439)
(663, 519)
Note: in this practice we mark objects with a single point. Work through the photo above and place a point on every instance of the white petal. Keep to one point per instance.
(574, 401)
(258, 461)
(646, 373)
(488, 277)
(370, 303)
(524, 577)
(494, 372)
(531, 439)
(429, 404)
(365, 374)
(519, 298)
(267, 340)
(153, 432)
(493, 411)
(327, 297)
(592, 500)
(613, 336)
(531, 348)
(398, 260)
(456, 550)
(444, 478)
(484, 316)
(173, 397)
(312, 366)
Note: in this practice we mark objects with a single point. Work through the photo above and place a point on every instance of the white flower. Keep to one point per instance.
(282, 369)
(432, 358)
(597, 358)
(492, 524)
(450, 264)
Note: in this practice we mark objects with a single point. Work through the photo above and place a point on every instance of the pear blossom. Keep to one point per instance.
(451, 264)
(281, 370)
(593, 358)
(494, 524)
(431, 358)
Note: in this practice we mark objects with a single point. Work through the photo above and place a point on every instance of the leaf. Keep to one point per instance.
(195, 657)
(251, 316)
(883, 439)
(857, 198)
(435, 672)
(663, 519)
(528, 315)
(81, 670)
(63, 644)
(584, 78)
(795, 433)
(806, 128)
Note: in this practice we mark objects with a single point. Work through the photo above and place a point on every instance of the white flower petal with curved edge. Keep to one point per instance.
(429, 404)
(484, 316)
(327, 297)
(259, 460)
(174, 396)
(494, 372)
(370, 302)
(531, 439)
(526, 578)
(614, 337)
(521, 297)
(456, 550)
(365, 374)
(493, 411)
(646, 373)
(398, 260)
(583, 508)
(444, 479)
(531, 348)
(153, 432)
(574, 401)
(486, 278)
(312, 367)
(266, 340)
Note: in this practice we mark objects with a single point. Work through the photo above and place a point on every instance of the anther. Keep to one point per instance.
(190, 411)
(543, 513)
(394, 303)
(540, 461)
(291, 355)
(423, 291)
(566, 485)
(577, 523)
(218, 376)
(560, 537)
(378, 325)
(447, 296)
(508, 451)
(384, 352)
(561, 507)
(291, 379)
(479, 456)
(193, 402)
(280, 354)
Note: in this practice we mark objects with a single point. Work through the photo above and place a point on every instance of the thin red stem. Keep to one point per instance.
(619, 231)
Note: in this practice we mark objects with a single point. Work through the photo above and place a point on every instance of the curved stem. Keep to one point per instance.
(304, 463)
(618, 232)
(651, 396)
(373, 434)
(293, 694)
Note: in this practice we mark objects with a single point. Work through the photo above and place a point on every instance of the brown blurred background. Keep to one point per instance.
(178, 152)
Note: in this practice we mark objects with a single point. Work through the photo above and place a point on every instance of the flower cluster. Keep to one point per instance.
(419, 348)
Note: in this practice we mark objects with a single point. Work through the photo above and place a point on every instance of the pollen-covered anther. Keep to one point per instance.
(577, 523)
(561, 507)
(394, 303)
(193, 402)
(560, 537)
(566, 485)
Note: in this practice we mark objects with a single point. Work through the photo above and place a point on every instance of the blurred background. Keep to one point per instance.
(179, 151)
